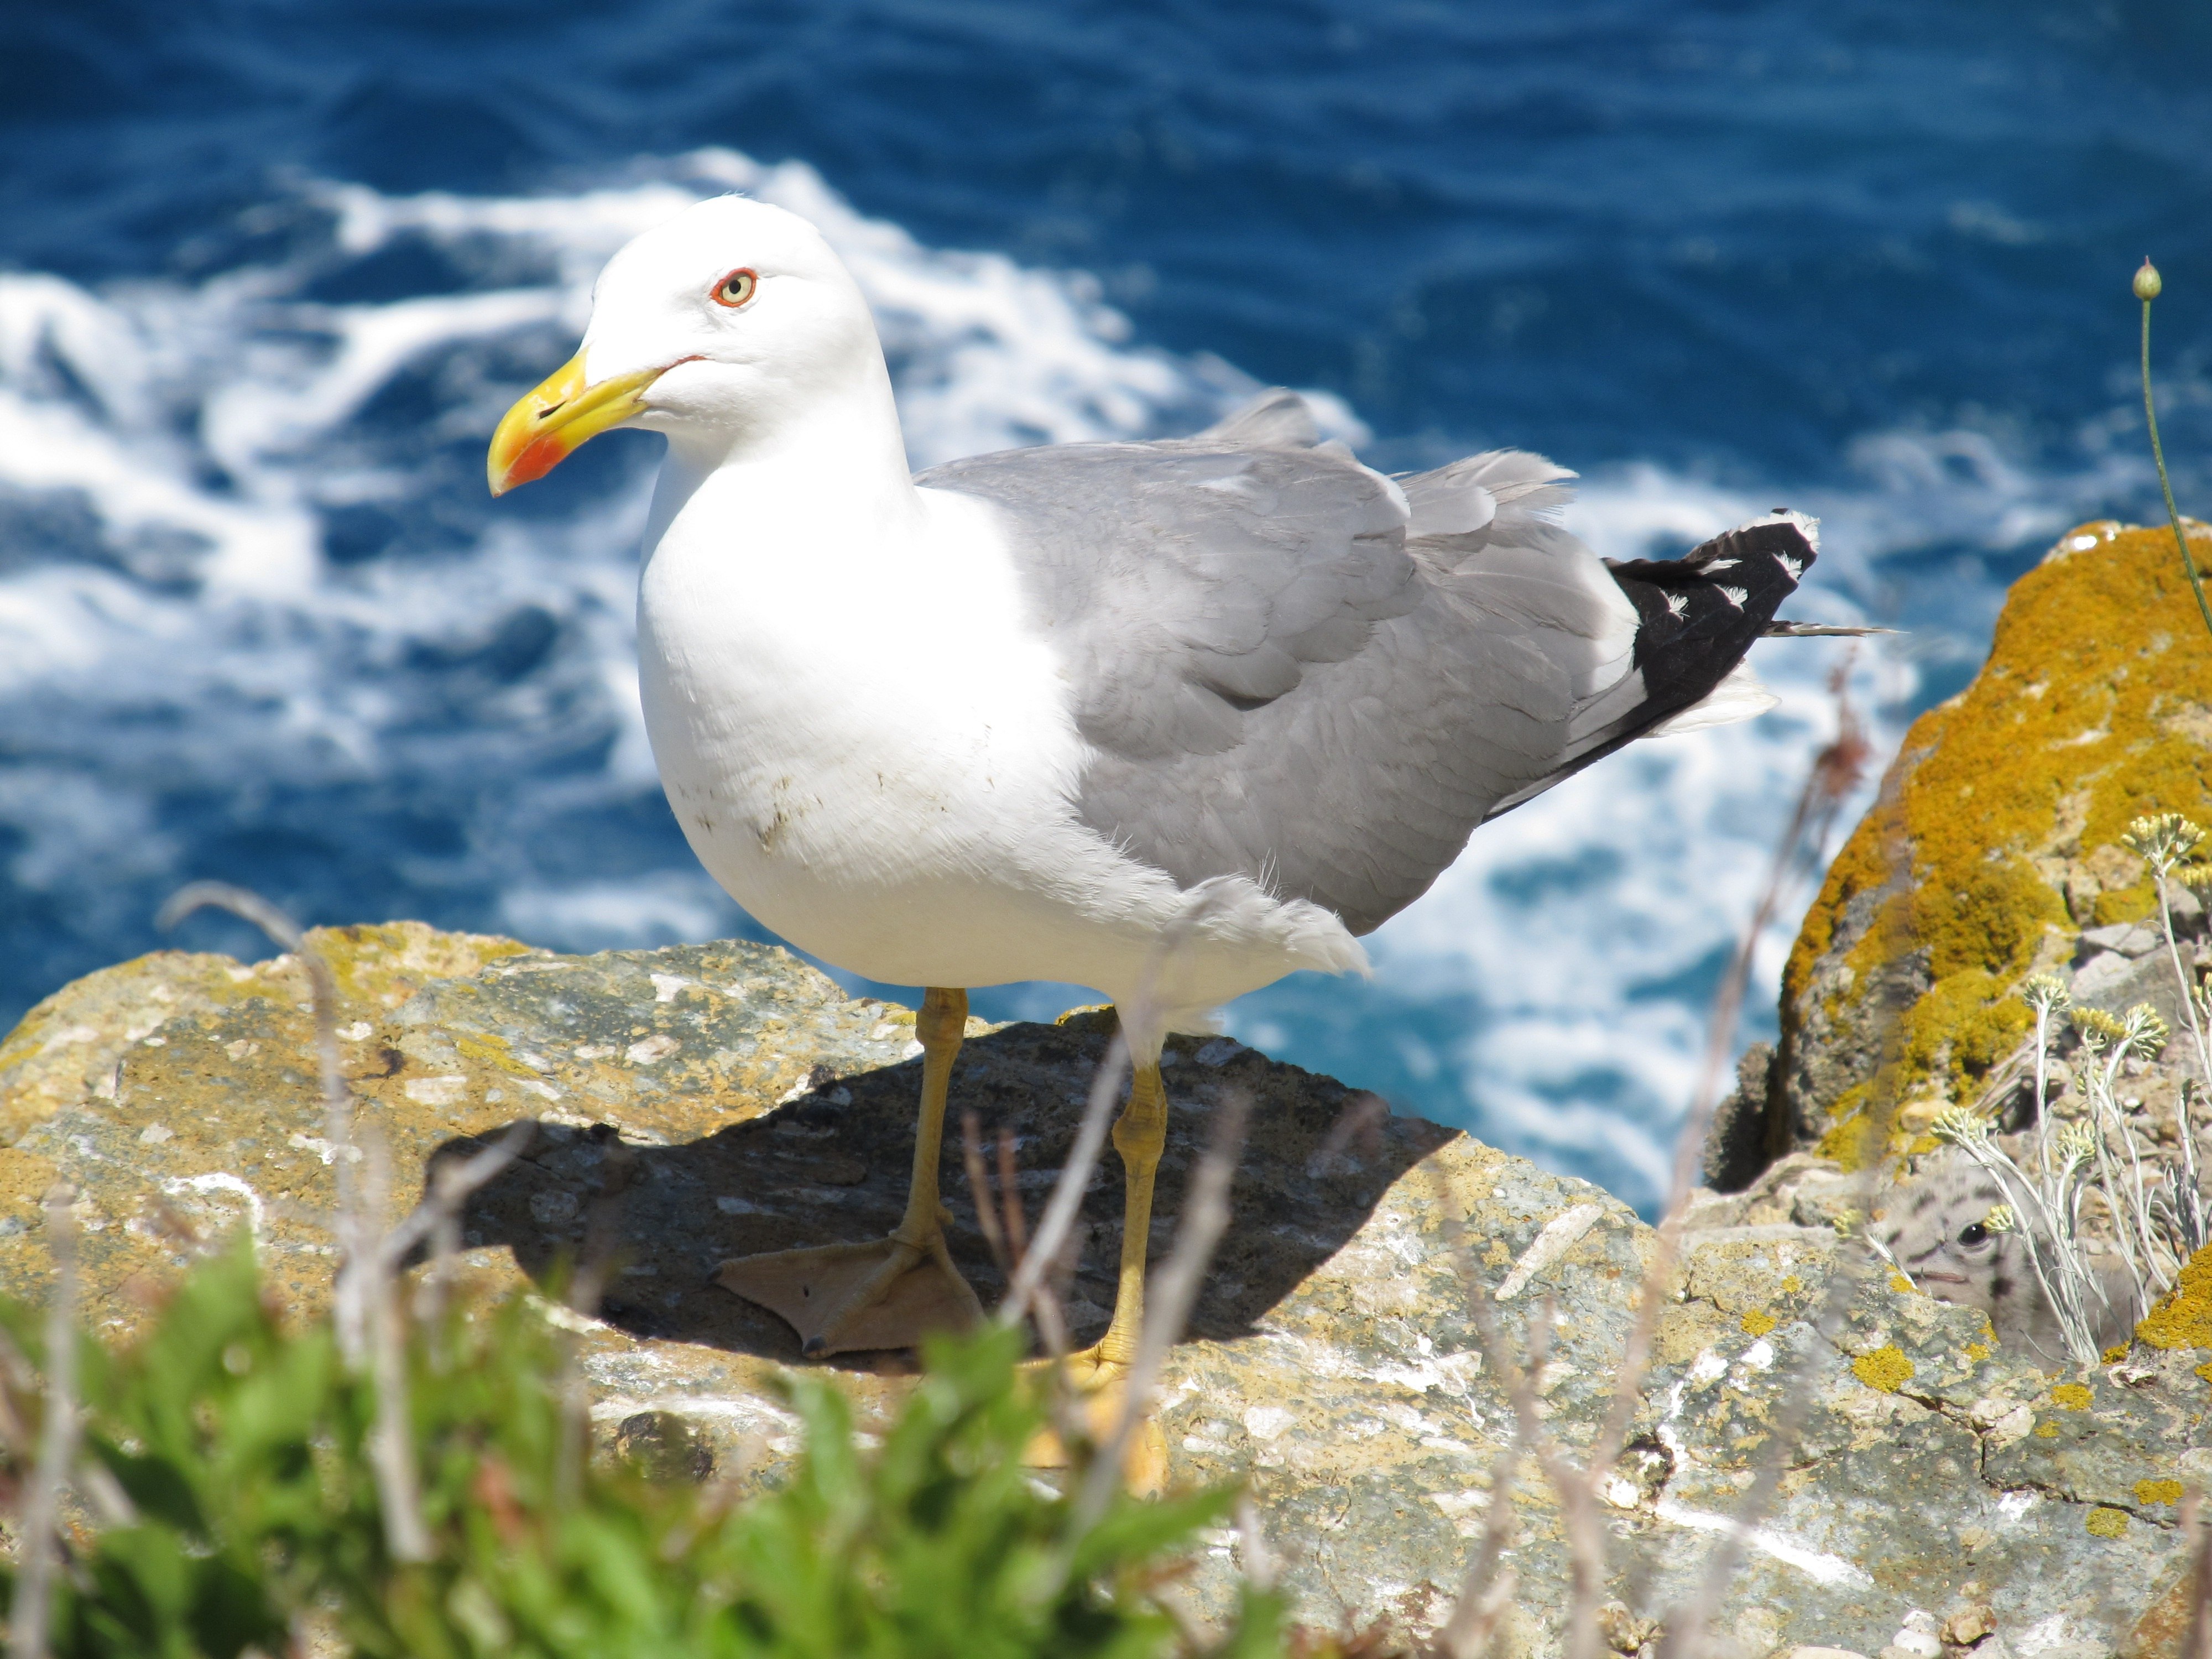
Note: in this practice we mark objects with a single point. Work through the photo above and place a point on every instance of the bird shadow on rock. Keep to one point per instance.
(833, 1163)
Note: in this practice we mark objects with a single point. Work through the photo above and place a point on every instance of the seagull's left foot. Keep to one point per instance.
(889, 1293)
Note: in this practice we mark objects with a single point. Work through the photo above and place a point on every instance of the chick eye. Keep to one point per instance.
(734, 289)
(1973, 1233)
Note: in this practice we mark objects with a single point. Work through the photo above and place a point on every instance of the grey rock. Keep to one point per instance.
(704, 1100)
(2129, 938)
(1735, 1148)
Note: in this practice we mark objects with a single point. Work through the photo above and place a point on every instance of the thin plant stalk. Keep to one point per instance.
(1060, 1210)
(392, 1436)
(1170, 1298)
(33, 1601)
(1686, 1636)
(353, 1228)
(1487, 1593)
(2197, 1639)
(1834, 772)
(2147, 285)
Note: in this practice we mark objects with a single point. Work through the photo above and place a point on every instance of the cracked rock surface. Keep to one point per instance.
(700, 1101)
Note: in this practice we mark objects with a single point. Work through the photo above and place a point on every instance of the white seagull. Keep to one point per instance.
(1169, 719)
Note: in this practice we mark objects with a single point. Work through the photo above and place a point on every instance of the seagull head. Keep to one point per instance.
(718, 323)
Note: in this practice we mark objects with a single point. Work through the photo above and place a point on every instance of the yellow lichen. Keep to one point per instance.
(1791, 1284)
(2096, 654)
(1885, 1368)
(2183, 1319)
(2104, 1522)
(1900, 1284)
(2071, 1397)
(491, 1049)
(1979, 1351)
(2158, 1491)
(2046, 1431)
(1758, 1322)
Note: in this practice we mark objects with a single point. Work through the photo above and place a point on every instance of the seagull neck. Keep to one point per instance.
(841, 460)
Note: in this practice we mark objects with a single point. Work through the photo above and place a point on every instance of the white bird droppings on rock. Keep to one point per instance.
(1561, 1233)
(1265, 1422)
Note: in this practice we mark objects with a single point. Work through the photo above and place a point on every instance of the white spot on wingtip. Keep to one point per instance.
(1677, 605)
(1735, 596)
(1796, 568)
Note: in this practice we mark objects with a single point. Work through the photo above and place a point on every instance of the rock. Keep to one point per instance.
(2129, 938)
(1735, 1148)
(1993, 851)
(701, 1101)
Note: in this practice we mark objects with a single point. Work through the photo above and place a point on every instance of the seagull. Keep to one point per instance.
(1169, 719)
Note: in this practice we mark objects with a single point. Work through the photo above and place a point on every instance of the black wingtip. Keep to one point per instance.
(1699, 614)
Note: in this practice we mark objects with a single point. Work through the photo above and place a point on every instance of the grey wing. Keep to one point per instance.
(1291, 667)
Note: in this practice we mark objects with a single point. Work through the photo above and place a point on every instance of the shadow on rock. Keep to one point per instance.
(833, 1163)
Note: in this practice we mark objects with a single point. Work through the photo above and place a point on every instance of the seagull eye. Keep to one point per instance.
(734, 289)
(1973, 1233)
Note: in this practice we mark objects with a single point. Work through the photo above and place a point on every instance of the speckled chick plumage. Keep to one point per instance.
(1937, 1230)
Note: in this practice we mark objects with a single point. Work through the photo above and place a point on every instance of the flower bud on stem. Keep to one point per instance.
(2149, 285)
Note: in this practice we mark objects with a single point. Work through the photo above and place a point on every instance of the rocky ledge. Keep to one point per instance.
(703, 1102)
(1993, 852)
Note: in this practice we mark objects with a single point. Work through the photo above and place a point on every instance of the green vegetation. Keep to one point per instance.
(231, 1503)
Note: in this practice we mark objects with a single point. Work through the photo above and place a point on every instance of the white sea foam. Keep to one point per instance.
(176, 625)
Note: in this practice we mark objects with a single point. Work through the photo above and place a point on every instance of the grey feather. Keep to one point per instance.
(1292, 667)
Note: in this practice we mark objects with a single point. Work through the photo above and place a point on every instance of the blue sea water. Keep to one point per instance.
(270, 272)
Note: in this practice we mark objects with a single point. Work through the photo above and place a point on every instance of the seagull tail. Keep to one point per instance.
(1696, 617)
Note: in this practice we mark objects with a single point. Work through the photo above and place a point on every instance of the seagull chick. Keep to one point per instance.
(1169, 719)
(1937, 1230)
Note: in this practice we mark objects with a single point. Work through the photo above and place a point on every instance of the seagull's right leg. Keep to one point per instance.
(1101, 1373)
(891, 1292)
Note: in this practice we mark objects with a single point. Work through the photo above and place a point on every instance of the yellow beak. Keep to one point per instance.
(556, 418)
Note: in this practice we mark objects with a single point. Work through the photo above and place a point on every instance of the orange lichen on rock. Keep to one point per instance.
(2183, 1318)
(1885, 1368)
(1994, 841)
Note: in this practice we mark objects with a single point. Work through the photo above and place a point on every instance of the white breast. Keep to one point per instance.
(871, 748)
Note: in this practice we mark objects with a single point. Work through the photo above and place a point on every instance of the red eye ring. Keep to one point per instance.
(734, 289)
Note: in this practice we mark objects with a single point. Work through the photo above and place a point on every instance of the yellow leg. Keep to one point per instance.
(1140, 1133)
(890, 1293)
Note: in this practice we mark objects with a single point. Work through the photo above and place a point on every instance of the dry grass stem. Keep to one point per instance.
(354, 1229)
(436, 1221)
(40, 1542)
(1260, 1563)
(1009, 1196)
(1487, 1591)
(1172, 1295)
(392, 1439)
(1066, 1201)
(979, 1191)
(1688, 1630)
(1835, 772)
